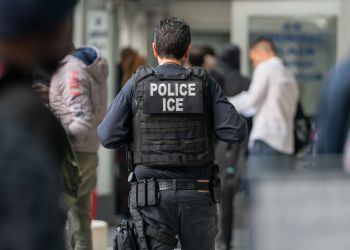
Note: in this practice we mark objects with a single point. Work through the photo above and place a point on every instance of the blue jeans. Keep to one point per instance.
(187, 213)
(261, 148)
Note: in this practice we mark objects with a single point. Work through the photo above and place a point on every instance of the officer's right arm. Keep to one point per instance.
(229, 125)
(114, 131)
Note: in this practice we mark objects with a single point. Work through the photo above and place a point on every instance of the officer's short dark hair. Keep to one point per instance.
(264, 41)
(196, 56)
(172, 37)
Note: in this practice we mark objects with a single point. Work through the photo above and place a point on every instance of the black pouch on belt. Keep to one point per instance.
(141, 194)
(144, 193)
(153, 196)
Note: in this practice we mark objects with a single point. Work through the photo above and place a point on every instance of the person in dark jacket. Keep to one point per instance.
(31, 148)
(229, 64)
(230, 157)
(210, 57)
(334, 113)
(199, 58)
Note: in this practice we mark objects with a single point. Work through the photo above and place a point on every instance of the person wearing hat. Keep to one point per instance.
(32, 150)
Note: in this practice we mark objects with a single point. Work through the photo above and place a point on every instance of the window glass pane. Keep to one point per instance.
(307, 46)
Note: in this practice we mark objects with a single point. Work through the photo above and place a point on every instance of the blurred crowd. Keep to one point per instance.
(53, 96)
(271, 105)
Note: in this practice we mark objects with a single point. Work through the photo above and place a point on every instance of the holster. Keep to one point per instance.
(140, 229)
(142, 194)
(125, 238)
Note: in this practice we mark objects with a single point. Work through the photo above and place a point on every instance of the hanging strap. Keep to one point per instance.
(163, 237)
(140, 229)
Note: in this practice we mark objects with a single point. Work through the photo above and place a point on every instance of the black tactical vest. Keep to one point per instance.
(173, 122)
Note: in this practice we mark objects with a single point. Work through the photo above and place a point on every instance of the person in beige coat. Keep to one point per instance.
(78, 97)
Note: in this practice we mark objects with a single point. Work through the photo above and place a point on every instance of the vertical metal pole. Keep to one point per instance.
(107, 168)
(79, 23)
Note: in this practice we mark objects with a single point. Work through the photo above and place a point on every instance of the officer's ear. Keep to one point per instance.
(187, 53)
(155, 52)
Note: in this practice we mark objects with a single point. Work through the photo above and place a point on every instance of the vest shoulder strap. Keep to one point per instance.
(145, 71)
(203, 75)
(142, 73)
(200, 73)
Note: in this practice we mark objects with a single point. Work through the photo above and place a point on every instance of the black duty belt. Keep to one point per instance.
(147, 192)
(200, 185)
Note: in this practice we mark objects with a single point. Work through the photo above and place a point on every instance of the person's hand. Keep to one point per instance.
(43, 91)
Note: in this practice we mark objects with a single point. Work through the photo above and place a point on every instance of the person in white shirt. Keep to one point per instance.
(272, 98)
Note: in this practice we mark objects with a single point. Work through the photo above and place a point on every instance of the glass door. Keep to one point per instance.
(308, 47)
(306, 34)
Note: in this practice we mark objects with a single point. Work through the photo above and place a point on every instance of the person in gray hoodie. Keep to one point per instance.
(78, 97)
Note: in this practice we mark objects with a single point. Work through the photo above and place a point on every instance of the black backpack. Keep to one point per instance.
(302, 129)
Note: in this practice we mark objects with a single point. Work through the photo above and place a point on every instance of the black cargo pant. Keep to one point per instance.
(189, 214)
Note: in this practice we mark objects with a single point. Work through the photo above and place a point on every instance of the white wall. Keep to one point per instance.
(136, 20)
(344, 31)
(206, 15)
(132, 25)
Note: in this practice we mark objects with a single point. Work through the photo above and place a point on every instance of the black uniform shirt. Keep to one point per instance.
(116, 129)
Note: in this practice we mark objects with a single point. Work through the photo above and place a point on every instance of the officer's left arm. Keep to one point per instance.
(229, 126)
(114, 131)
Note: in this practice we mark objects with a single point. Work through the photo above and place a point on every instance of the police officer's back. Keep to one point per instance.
(169, 116)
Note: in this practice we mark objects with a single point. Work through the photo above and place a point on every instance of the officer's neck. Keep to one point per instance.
(163, 61)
